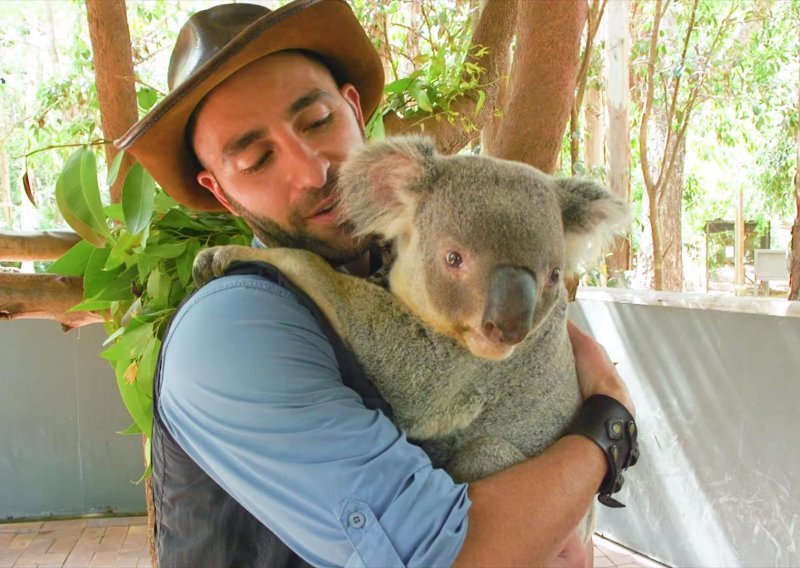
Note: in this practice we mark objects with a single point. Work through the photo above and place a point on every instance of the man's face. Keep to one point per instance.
(272, 138)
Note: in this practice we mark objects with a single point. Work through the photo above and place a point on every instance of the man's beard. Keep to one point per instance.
(338, 252)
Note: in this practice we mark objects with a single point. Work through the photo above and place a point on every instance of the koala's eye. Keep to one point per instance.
(454, 259)
(555, 275)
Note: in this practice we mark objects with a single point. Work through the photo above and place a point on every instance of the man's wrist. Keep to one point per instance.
(608, 423)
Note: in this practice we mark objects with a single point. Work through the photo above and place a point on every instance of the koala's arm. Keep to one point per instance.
(421, 374)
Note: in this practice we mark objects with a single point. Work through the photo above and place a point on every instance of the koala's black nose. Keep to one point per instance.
(511, 300)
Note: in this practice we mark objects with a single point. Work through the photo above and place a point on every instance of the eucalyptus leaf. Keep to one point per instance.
(90, 190)
(131, 430)
(121, 251)
(67, 188)
(400, 85)
(147, 364)
(113, 170)
(170, 250)
(130, 343)
(90, 306)
(95, 277)
(74, 261)
(418, 93)
(137, 402)
(138, 194)
(119, 288)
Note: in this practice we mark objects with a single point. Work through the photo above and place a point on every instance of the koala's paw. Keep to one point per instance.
(214, 262)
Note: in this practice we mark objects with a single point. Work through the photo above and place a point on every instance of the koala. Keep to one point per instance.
(469, 344)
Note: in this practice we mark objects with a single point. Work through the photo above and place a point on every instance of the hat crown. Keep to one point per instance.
(204, 34)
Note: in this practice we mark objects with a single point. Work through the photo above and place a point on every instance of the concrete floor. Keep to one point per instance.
(121, 542)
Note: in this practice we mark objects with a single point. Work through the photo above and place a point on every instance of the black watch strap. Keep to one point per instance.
(608, 423)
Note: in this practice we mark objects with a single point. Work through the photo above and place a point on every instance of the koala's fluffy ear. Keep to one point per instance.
(380, 184)
(591, 216)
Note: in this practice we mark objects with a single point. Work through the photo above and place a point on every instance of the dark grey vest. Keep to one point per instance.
(198, 524)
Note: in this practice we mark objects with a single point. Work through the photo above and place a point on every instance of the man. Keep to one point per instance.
(264, 437)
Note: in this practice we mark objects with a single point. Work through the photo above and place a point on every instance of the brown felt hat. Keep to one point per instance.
(217, 42)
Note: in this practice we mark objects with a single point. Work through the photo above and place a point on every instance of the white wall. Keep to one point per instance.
(59, 413)
(718, 400)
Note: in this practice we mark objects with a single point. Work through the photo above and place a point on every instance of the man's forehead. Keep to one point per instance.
(300, 79)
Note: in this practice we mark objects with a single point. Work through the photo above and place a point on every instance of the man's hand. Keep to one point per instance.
(596, 373)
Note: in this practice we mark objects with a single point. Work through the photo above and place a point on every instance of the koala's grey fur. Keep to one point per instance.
(475, 416)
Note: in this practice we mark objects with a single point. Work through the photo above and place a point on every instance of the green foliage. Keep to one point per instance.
(431, 63)
(136, 262)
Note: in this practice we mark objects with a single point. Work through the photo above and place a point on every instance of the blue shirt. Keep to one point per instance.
(252, 392)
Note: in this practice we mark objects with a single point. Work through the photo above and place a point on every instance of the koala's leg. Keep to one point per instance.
(482, 457)
(306, 270)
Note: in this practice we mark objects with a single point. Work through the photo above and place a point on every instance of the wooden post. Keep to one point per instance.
(28, 245)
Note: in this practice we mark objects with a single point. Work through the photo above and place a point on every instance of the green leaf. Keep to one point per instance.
(74, 261)
(138, 194)
(138, 403)
(147, 364)
(131, 430)
(146, 97)
(95, 278)
(400, 85)
(479, 104)
(375, 128)
(169, 250)
(120, 286)
(121, 251)
(114, 212)
(183, 263)
(418, 93)
(113, 171)
(71, 205)
(158, 285)
(164, 202)
(130, 343)
(90, 306)
(90, 191)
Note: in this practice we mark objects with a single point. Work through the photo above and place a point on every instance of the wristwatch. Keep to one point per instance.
(607, 422)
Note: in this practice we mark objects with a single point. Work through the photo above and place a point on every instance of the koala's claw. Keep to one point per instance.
(214, 262)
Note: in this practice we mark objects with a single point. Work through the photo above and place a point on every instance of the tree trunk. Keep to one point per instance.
(113, 67)
(794, 258)
(116, 92)
(43, 296)
(542, 78)
(618, 146)
(670, 209)
(593, 118)
(29, 245)
(6, 215)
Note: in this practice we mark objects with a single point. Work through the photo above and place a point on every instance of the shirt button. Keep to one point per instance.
(356, 520)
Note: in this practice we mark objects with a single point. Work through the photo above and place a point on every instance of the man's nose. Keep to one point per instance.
(306, 166)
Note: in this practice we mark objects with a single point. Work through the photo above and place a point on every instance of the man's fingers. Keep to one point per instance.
(596, 373)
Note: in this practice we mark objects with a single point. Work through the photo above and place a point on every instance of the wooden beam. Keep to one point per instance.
(43, 296)
(29, 245)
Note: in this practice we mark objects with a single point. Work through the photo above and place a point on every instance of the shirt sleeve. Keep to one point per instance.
(252, 392)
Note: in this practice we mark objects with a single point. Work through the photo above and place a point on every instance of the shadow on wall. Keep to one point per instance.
(716, 395)
(60, 412)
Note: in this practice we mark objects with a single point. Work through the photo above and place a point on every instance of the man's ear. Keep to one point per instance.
(591, 215)
(353, 99)
(381, 184)
(207, 180)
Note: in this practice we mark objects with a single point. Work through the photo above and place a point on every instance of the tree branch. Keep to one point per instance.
(648, 103)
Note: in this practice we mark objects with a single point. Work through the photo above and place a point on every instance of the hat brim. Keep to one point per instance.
(327, 28)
